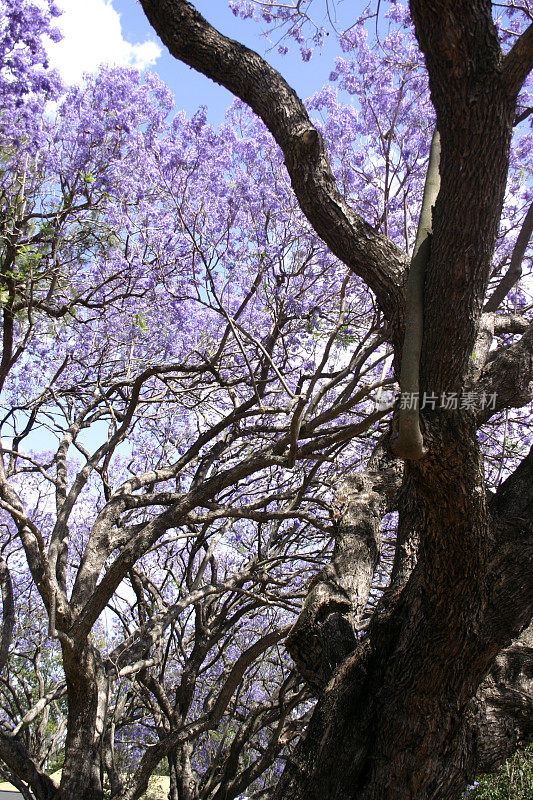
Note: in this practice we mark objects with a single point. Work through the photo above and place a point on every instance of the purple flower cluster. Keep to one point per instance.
(26, 82)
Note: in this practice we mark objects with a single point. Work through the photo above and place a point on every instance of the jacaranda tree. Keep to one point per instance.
(225, 545)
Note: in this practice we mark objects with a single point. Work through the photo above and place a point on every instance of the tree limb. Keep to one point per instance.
(518, 62)
(509, 575)
(503, 708)
(491, 325)
(33, 713)
(243, 72)
(324, 633)
(508, 376)
(514, 272)
(15, 755)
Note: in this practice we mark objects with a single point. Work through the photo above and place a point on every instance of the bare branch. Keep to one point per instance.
(33, 713)
(518, 62)
(237, 672)
(514, 272)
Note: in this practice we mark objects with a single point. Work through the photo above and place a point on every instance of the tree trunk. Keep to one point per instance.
(173, 792)
(185, 780)
(401, 705)
(87, 691)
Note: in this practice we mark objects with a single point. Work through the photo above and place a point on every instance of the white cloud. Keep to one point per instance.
(93, 36)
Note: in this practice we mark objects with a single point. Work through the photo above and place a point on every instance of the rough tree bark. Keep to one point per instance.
(326, 629)
(87, 691)
(8, 613)
(402, 717)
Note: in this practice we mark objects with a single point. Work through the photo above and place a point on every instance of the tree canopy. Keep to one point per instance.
(215, 562)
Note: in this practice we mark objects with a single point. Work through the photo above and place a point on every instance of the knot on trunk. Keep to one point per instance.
(319, 644)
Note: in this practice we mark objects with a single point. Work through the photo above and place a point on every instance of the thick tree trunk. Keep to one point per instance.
(87, 691)
(400, 704)
(15, 755)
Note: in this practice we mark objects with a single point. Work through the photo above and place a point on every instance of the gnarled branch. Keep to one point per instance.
(324, 633)
(508, 377)
(373, 257)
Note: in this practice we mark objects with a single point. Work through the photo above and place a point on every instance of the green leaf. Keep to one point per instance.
(140, 319)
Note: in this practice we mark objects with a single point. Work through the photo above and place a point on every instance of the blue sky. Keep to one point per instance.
(191, 88)
(117, 30)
